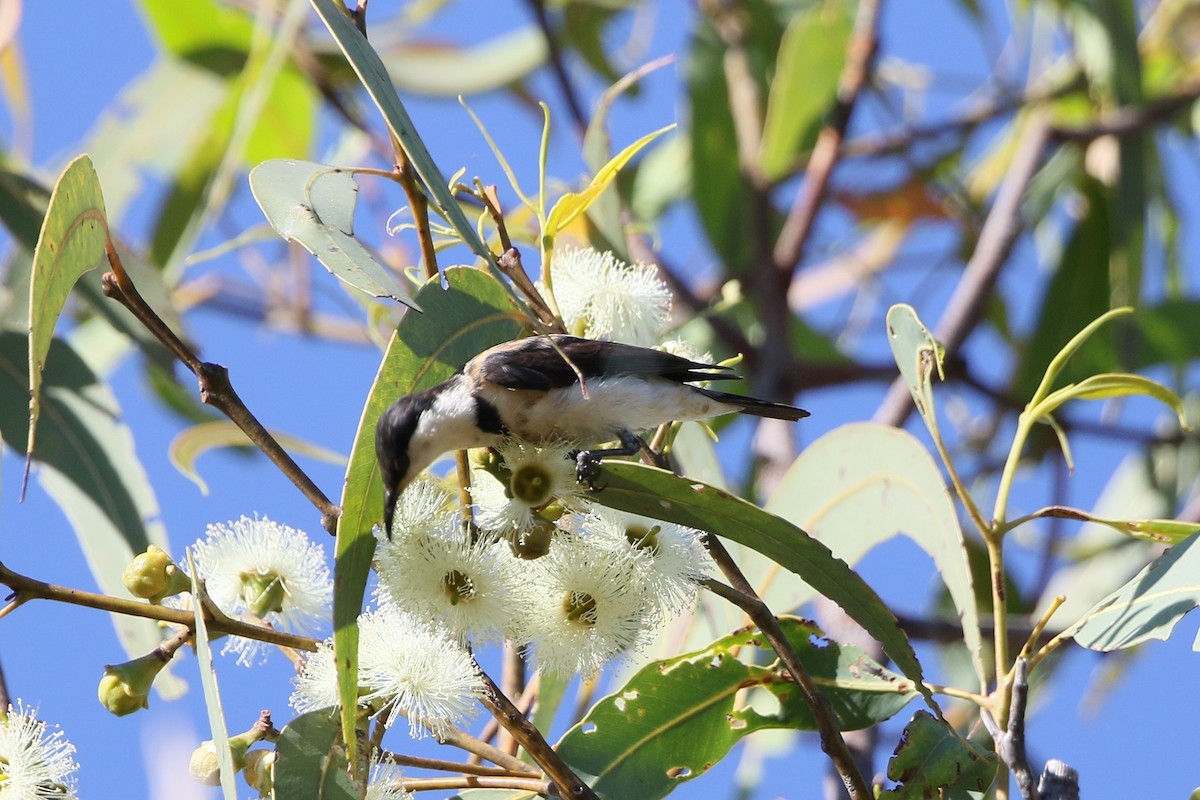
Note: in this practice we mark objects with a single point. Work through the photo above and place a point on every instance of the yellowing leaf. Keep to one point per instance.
(199, 439)
(572, 204)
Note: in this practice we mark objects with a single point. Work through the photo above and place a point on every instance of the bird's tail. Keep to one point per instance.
(756, 407)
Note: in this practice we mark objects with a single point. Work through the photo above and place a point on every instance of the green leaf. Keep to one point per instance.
(313, 205)
(474, 313)
(662, 495)
(1079, 293)
(917, 355)
(374, 76)
(312, 762)
(440, 70)
(1101, 387)
(71, 242)
(932, 757)
(676, 718)
(572, 204)
(89, 465)
(23, 204)
(723, 199)
(1059, 362)
(1159, 531)
(1148, 606)
(807, 72)
(862, 484)
(212, 694)
(189, 445)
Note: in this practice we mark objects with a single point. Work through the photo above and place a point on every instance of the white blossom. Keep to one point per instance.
(36, 761)
(601, 297)
(259, 569)
(592, 606)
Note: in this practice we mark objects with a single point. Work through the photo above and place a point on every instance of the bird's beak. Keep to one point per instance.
(390, 495)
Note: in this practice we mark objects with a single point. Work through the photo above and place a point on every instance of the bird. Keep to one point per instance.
(530, 389)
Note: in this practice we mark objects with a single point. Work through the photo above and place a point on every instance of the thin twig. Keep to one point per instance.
(215, 388)
(534, 785)
(513, 678)
(510, 261)
(742, 594)
(996, 239)
(406, 176)
(557, 67)
(1130, 119)
(528, 736)
(477, 747)
(30, 588)
(449, 766)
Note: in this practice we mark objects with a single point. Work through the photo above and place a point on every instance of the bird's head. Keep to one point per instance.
(400, 457)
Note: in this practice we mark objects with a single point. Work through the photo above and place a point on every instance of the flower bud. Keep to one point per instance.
(204, 765)
(534, 542)
(259, 771)
(125, 688)
(153, 575)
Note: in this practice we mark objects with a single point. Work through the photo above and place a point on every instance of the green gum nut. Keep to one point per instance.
(125, 688)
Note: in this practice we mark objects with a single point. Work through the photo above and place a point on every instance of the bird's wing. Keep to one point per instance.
(534, 363)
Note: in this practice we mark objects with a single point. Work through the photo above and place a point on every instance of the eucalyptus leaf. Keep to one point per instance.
(862, 484)
(469, 316)
(374, 76)
(88, 463)
(932, 758)
(433, 68)
(662, 495)
(676, 718)
(918, 355)
(212, 693)
(312, 761)
(1147, 607)
(189, 445)
(70, 243)
(313, 205)
(1102, 387)
(807, 72)
(572, 204)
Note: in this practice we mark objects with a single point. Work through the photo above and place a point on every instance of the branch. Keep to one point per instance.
(537, 787)
(1010, 744)
(528, 736)
(996, 240)
(26, 588)
(1130, 119)
(557, 67)
(406, 176)
(452, 766)
(742, 594)
(215, 388)
(480, 748)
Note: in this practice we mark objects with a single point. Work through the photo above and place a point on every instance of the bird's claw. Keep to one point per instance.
(587, 469)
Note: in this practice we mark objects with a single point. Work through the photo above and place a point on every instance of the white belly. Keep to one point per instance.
(613, 404)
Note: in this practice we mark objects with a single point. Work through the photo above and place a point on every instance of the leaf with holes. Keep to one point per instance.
(932, 760)
(473, 314)
(677, 717)
(313, 205)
